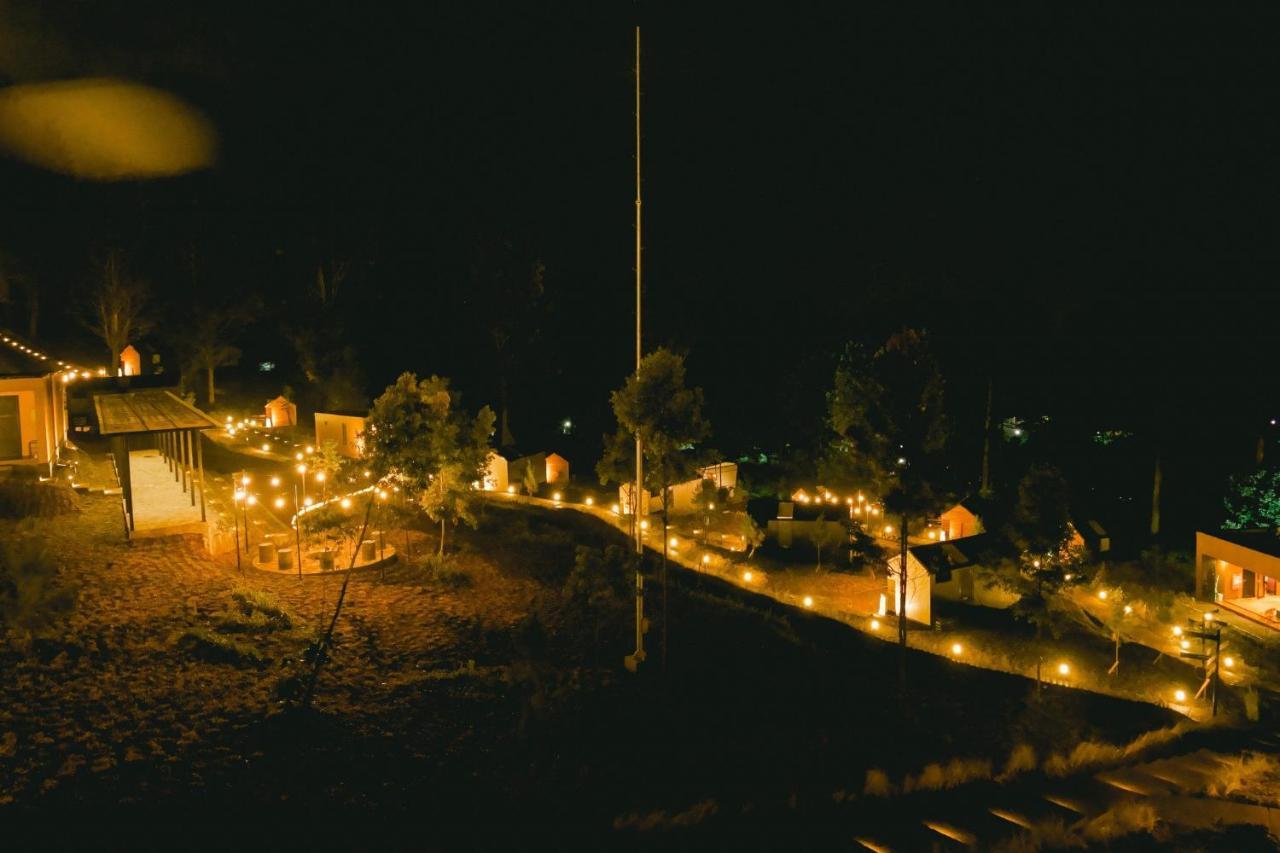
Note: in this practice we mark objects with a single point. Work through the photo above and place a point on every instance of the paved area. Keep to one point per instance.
(159, 501)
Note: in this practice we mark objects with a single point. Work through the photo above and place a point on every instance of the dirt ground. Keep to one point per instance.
(445, 698)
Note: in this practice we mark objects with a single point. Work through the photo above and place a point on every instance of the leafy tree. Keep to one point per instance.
(752, 535)
(205, 347)
(419, 438)
(596, 585)
(886, 409)
(328, 461)
(826, 535)
(450, 499)
(655, 403)
(116, 310)
(1044, 559)
(1253, 500)
(13, 277)
(530, 481)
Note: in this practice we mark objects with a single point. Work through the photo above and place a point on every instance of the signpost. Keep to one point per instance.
(1208, 632)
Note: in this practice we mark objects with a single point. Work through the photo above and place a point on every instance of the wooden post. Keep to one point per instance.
(120, 450)
(175, 466)
(191, 466)
(200, 463)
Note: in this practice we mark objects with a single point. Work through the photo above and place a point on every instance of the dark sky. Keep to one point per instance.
(1078, 199)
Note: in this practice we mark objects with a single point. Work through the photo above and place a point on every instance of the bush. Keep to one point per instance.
(878, 784)
(256, 603)
(27, 499)
(31, 600)
(1021, 760)
(211, 647)
(446, 571)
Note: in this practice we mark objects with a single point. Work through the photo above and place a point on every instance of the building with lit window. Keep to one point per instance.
(1240, 571)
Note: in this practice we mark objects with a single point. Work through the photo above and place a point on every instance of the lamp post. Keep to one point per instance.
(297, 530)
(237, 496)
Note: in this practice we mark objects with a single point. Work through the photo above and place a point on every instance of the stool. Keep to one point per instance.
(284, 556)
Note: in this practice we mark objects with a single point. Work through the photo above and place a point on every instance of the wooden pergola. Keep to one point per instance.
(136, 419)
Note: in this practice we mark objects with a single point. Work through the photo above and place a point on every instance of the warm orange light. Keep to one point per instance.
(808, 601)
(615, 508)
(279, 503)
(644, 525)
(346, 503)
(1180, 695)
(251, 500)
(555, 496)
(590, 501)
(673, 541)
(748, 576)
(875, 624)
(275, 481)
(957, 649)
(1064, 669)
(104, 129)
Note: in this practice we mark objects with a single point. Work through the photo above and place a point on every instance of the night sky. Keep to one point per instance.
(1077, 200)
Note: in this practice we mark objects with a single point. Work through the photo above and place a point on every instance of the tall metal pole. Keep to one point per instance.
(633, 662)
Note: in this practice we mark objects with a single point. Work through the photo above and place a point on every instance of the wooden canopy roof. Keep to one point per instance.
(147, 410)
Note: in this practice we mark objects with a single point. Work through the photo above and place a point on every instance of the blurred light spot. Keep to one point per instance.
(104, 129)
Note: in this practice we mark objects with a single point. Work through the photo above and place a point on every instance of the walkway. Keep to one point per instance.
(159, 501)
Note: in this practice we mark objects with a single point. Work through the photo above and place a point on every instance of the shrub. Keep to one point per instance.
(1090, 754)
(212, 647)
(446, 571)
(26, 499)
(1021, 760)
(1255, 773)
(958, 771)
(878, 784)
(253, 602)
(31, 600)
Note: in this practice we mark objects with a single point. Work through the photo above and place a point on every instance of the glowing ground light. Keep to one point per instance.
(644, 525)
(1228, 662)
(266, 448)
(307, 501)
(346, 503)
(706, 559)
(279, 503)
(1177, 631)
(251, 500)
(957, 649)
(297, 456)
(275, 481)
(875, 624)
(1064, 669)
(615, 508)
(511, 490)
(1180, 695)
(1186, 644)
(888, 528)
(319, 476)
(747, 576)
(808, 601)
(1102, 594)
(555, 496)
(590, 501)
(1208, 617)
(1127, 610)
(673, 542)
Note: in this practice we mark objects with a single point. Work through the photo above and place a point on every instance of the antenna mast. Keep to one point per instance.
(633, 660)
